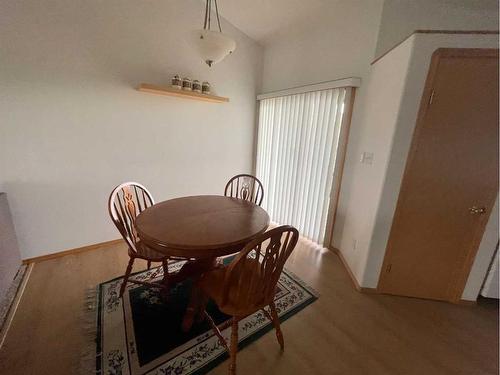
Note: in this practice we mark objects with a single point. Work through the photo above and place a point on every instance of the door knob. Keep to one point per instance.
(477, 210)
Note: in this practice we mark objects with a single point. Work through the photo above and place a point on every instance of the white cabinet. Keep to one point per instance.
(10, 258)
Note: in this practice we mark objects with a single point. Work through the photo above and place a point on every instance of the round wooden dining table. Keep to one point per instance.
(200, 229)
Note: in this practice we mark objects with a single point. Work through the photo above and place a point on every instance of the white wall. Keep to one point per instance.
(484, 256)
(362, 183)
(337, 42)
(328, 47)
(491, 287)
(400, 18)
(390, 138)
(73, 126)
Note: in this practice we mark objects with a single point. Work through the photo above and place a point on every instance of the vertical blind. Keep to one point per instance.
(298, 138)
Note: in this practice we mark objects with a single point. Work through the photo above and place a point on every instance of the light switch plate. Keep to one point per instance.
(367, 158)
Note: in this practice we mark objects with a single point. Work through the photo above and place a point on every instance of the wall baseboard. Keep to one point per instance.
(361, 289)
(71, 251)
(118, 241)
(358, 287)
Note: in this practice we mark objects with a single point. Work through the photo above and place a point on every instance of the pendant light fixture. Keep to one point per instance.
(212, 45)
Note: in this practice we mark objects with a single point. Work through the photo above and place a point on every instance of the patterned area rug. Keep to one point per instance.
(142, 335)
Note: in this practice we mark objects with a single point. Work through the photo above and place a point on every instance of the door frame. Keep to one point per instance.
(338, 169)
(463, 272)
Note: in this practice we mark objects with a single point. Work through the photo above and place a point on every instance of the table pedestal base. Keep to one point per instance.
(192, 269)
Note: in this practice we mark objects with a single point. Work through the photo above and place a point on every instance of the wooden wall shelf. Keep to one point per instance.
(170, 91)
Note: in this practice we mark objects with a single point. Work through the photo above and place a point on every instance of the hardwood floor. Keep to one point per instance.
(344, 332)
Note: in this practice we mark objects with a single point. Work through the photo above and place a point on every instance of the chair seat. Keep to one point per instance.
(212, 284)
(146, 253)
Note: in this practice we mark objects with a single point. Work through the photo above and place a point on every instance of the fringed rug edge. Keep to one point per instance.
(89, 322)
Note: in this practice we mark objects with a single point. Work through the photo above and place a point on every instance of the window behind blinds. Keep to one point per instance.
(298, 139)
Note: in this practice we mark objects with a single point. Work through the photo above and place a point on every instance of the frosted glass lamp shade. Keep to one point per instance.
(212, 46)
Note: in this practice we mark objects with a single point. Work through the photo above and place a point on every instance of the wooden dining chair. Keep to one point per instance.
(245, 186)
(248, 284)
(126, 201)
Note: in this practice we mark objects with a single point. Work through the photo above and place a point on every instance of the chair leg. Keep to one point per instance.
(165, 281)
(234, 347)
(201, 307)
(149, 264)
(127, 274)
(217, 331)
(276, 323)
(164, 263)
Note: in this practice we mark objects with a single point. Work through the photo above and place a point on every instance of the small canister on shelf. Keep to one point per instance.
(186, 84)
(205, 88)
(196, 86)
(176, 82)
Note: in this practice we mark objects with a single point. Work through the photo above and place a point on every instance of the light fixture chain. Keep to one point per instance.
(209, 14)
(206, 15)
(217, 12)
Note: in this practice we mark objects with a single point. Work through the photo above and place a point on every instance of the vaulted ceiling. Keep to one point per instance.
(259, 19)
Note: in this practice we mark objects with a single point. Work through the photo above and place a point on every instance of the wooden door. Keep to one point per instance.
(450, 181)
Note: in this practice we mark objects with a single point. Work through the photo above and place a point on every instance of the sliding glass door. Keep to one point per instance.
(298, 154)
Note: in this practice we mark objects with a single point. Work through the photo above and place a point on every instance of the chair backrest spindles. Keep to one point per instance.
(264, 258)
(246, 187)
(124, 205)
